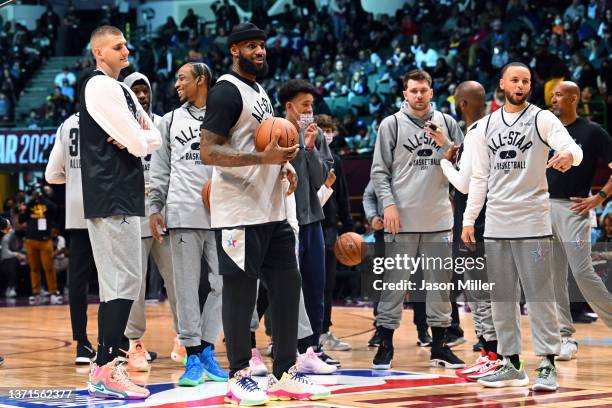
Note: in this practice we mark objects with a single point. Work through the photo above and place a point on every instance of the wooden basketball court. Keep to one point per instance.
(37, 345)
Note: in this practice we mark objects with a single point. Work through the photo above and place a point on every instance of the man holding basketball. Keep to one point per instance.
(177, 176)
(248, 210)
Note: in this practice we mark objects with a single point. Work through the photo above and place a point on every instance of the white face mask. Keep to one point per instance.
(305, 119)
(329, 137)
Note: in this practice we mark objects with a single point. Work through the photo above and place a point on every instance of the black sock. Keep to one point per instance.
(515, 360)
(253, 341)
(206, 344)
(438, 335)
(118, 313)
(101, 353)
(483, 344)
(386, 335)
(195, 350)
(551, 358)
(492, 346)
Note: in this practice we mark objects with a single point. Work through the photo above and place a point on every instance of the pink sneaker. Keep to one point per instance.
(310, 363)
(112, 381)
(137, 358)
(258, 368)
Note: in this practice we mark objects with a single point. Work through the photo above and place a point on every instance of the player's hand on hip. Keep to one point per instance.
(392, 219)
(583, 205)
(275, 154)
(561, 161)
(116, 143)
(157, 225)
(468, 236)
(377, 223)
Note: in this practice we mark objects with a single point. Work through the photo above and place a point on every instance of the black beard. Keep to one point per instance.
(514, 101)
(250, 68)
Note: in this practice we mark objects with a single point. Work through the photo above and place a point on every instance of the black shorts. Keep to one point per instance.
(249, 250)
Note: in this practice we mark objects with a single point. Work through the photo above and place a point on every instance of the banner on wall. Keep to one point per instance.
(25, 149)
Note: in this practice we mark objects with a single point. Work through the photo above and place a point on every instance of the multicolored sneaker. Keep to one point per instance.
(136, 358)
(473, 368)
(547, 377)
(294, 385)
(506, 376)
(310, 363)
(489, 368)
(243, 390)
(212, 369)
(112, 381)
(194, 372)
(256, 364)
(179, 353)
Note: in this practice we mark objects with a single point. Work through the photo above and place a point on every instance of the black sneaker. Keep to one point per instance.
(444, 357)
(328, 359)
(84, 354)
(453, 340)
(383, 357)
(375, 339)
(477, 346)
(424, 339)
(1, 360)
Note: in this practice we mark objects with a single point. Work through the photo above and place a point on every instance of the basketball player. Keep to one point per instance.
(64, 167)
(177, 177)
(115, 133)
(138, 356)
(569, 205)
(311, 165)
(418, 215)
(248, 211)
(470, 105)
(510, 151)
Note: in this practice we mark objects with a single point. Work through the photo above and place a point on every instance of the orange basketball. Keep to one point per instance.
(206, 194)
(349, 249)
(265, 133)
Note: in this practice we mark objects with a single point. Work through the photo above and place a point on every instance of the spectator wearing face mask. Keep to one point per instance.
(12, 256)
(312, 165)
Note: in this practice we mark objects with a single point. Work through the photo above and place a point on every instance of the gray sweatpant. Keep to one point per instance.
(527, 263)
(189, 249)
(573, 243)
(438, 306)
(162, 256)
(114, 241)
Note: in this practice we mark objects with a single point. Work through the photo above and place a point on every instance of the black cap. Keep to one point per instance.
(245, 31)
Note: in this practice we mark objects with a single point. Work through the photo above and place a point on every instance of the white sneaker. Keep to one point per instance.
(243, 390)
(258, 368)
(330, 342)
(43, 292)
(268, 352)
(10, 292)
(310, 363)
(35, 299)
(57, 299)
(569, 349)
(294, 385)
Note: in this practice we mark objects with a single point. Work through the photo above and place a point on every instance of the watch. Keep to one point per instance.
(602, 194)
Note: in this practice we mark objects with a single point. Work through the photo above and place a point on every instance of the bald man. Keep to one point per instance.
(470, 105)
(570, 202)
(115, 133)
